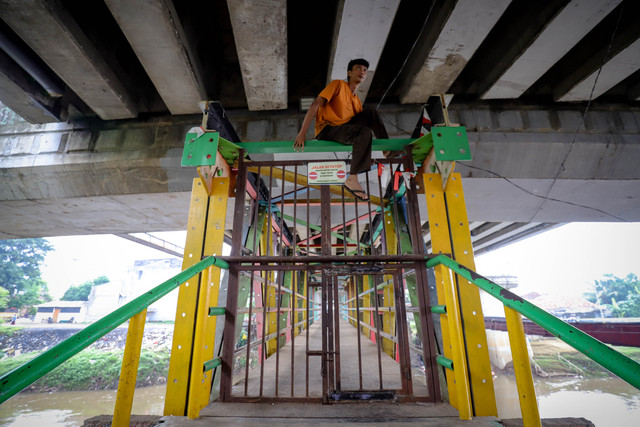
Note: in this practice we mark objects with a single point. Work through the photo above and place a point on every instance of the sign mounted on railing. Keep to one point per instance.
(327, 172)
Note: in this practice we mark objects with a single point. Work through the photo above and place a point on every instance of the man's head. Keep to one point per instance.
(357, 66)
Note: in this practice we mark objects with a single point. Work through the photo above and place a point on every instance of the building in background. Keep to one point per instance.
(61, 312)
(146, 275)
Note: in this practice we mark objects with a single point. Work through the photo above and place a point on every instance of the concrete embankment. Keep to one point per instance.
(41, 337)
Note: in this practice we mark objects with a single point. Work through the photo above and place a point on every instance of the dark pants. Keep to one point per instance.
(358, 133)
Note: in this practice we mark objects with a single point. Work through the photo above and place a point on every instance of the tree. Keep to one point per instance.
(82, 292)
(4, 298)
(20, 271)
(622, 296)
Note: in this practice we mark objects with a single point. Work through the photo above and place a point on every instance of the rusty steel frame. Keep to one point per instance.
(261, 268)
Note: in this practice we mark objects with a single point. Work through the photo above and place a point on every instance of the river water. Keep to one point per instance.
(605, 401)
(71, 408)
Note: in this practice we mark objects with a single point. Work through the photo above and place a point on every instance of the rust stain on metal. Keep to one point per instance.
(504, 293)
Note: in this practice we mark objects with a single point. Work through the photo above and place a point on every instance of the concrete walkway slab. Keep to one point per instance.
(362, 414)
(350, 369)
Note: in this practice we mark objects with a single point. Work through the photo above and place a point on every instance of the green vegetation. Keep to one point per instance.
(82, 292)
(9, 330)
(4, 298)
(558, 361)
(621, 296)
(20, 271)
(95, 370)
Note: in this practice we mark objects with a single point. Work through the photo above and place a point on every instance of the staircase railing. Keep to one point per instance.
(614, 361)
(13, 382)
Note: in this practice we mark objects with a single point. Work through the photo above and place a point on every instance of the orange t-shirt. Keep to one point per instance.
(341, 105)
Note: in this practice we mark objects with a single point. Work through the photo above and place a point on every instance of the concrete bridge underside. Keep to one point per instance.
(125, 176)
(109, 88)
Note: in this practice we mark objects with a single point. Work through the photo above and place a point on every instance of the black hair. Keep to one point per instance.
(358, 61)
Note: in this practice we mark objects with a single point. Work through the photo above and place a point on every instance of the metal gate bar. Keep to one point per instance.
(282, 263)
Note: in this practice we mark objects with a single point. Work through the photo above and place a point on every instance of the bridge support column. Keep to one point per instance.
(450, 234)
(188, 385)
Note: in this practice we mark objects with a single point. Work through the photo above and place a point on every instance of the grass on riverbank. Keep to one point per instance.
(95, 370)
(558, 359)
(9, 330)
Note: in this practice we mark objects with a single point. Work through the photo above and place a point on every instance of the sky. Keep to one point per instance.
(77, 259)
(564, 260)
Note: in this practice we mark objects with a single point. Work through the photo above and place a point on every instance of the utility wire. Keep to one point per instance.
(545, 197)
(575, 135)
(424, 25)
(561, 168)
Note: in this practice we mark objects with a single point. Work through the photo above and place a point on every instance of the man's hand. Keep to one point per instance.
(298, 144)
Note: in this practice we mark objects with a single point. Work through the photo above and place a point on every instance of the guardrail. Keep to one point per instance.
(619, 364)
(13, 382)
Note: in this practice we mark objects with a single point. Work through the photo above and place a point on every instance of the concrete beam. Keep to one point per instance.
(573, 22)
(613, 72)
(21, 95)
(464, 30)
(157, 37)
(127, 213)
(52, 33)
(71, 178)
(263, 59)
(361, 31)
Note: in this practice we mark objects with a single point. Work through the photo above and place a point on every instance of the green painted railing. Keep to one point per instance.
(618, 363)
(13, 382)
(320, 146)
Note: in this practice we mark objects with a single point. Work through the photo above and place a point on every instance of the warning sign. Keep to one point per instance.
(327, 172)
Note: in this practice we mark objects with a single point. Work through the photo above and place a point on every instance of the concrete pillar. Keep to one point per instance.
(263, 59)
(362, 33)
(464, 30)
(156, 36)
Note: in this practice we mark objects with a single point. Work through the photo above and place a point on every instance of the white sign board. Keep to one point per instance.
(327, 172)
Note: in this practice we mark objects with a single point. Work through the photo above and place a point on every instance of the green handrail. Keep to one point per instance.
(320, 146)
(618, 363)
(13, 382)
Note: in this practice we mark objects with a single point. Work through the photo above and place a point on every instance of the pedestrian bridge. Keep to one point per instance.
(327, 300)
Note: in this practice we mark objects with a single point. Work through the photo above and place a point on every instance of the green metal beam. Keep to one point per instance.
(445, 362)
(16, 380)
(217, 311)
(210, 364)
(200, 148)
(439, 309)
(320, 146)
(619, 364)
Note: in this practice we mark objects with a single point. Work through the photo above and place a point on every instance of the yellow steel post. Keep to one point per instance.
(388, 316)
(205, 327)
(522, 368)
(269, 293)
(349, 304)
(305, 301)
(459, 355)
(482, 390)
(294, 304)
(181, 348)
(129, 370)
(352, 305)
(366, 304)
(441, 244)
